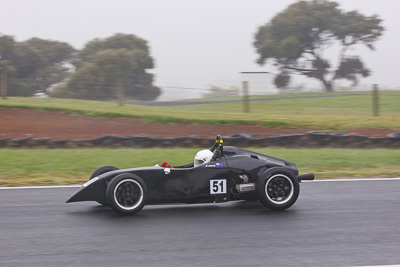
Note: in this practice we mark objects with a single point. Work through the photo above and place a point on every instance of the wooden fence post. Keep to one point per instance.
(246, 106)
(3, 83)
(120, 91)
(375, 100)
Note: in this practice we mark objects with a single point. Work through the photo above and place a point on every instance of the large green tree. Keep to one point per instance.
(296, 38)
(113, 67)
(33, 64)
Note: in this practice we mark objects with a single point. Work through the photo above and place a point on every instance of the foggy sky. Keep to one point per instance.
(194, 43)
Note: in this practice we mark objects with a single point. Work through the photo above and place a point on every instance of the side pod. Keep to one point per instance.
(307, 176)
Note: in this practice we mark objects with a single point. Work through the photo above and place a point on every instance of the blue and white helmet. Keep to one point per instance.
(203, 156)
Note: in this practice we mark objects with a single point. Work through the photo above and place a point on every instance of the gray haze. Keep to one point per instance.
(194, 43)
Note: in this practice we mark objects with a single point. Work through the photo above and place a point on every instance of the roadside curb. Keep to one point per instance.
(313, 139)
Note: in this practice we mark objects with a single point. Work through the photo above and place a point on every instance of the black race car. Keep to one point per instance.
(232, 174)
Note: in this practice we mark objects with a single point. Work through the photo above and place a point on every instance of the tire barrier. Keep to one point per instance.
(312, 139)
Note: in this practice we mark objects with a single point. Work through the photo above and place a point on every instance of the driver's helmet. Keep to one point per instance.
(203, 156)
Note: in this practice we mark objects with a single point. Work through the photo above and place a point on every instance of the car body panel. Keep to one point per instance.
(215, 181)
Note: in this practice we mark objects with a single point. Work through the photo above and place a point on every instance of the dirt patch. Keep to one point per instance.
(16, 123)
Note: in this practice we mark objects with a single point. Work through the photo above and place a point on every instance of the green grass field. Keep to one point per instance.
(330, 113)
(64, 166)
(74, 166)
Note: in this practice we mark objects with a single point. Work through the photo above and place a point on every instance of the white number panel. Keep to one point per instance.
(218, 186)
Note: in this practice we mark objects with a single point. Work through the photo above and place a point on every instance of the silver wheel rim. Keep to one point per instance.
(279, 189)
(128, 194)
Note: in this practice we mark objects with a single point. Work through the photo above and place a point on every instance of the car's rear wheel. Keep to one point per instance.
(126, 194)
(278, 190)
(101, 171)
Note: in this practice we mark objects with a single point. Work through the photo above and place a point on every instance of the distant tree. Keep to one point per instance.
(34, 64)
(52, 55)
(7, 49)
(296, 39)
(105, 66)
(282, 80)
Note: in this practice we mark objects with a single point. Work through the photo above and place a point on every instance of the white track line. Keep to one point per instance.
(40, 187)
(355, 179)
(322, 180)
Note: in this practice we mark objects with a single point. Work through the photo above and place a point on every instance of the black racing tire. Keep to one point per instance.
(278, 189)
(100, 171)
(126, 194)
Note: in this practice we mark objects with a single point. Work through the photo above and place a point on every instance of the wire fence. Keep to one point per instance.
(173, 88)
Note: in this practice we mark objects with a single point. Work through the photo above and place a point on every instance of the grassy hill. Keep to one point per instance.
(326, 112)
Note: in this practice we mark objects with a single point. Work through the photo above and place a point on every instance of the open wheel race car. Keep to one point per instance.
(231, 173)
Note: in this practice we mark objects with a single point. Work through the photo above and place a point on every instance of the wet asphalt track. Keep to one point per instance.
(332, 224)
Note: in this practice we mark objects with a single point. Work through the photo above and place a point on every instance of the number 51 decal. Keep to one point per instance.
(218, 186)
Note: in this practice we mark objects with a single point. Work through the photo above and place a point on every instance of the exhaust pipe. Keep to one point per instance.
(308, 177)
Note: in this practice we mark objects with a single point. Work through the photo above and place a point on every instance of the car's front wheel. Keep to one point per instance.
(102, 170)
(278, 190)
(126, 194)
